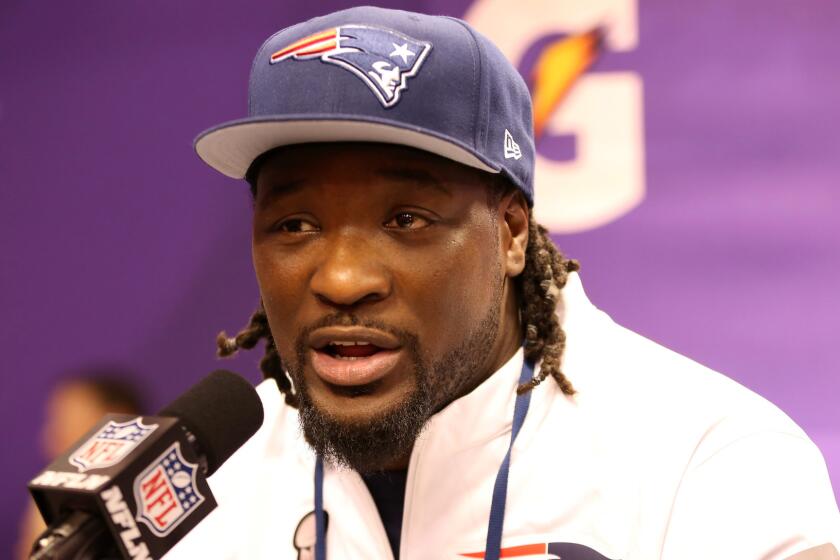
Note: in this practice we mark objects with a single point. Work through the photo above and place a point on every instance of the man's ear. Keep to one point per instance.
(513, 230)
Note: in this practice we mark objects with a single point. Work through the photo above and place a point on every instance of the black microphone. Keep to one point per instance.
(132, 487)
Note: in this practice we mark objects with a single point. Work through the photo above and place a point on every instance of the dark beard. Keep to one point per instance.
(371, 445)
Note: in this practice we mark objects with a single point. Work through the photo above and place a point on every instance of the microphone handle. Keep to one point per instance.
(78, 536)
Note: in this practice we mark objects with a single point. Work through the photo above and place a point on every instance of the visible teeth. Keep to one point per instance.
(345, 343)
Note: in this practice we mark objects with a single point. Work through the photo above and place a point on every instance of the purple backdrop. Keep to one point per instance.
(117, 244)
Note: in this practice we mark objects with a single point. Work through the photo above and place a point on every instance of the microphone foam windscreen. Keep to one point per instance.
(223, 411)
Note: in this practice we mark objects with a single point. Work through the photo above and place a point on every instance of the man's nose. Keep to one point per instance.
(351, 273)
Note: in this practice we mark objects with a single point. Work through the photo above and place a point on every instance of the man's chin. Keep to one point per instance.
(360, 405)
(367, 436)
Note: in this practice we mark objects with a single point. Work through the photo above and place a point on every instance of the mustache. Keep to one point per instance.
(345, 319)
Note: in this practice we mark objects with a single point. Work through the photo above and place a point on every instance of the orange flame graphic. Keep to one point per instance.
(559, 65)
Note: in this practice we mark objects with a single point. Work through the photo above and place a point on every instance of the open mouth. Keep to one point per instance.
(351, 350)
(353, 356)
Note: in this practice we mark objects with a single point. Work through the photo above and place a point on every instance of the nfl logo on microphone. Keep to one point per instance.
(166, 492)
(110, 444)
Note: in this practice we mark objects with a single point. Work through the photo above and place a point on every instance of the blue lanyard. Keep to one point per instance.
(492, 549)
(320, 525)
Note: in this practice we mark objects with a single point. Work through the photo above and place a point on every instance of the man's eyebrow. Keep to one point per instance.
(278, 188)
(419, 177)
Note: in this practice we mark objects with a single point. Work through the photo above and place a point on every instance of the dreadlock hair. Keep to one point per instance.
(537, 287)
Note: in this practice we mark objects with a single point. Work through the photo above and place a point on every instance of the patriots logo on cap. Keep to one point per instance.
(384, 59)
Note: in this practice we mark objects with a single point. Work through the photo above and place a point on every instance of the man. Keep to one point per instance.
(413, 310)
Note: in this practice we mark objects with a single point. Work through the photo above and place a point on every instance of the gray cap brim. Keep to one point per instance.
(230, 148)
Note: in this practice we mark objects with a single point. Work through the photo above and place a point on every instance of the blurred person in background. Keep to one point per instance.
(76, 402)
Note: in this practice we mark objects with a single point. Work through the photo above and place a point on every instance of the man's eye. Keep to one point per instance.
(296, 225)
(407, 220)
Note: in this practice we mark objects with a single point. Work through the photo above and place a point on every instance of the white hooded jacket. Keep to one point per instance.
(655, 457)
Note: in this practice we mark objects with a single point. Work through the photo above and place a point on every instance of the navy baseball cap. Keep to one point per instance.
(375, 75)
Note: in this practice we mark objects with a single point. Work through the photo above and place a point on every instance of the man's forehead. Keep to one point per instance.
(293, 167)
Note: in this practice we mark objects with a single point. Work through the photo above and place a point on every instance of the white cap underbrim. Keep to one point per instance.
(232, 147)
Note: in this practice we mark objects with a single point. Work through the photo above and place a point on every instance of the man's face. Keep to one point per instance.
(384, 274)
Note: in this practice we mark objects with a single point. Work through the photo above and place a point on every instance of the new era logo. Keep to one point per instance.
(512, 150)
